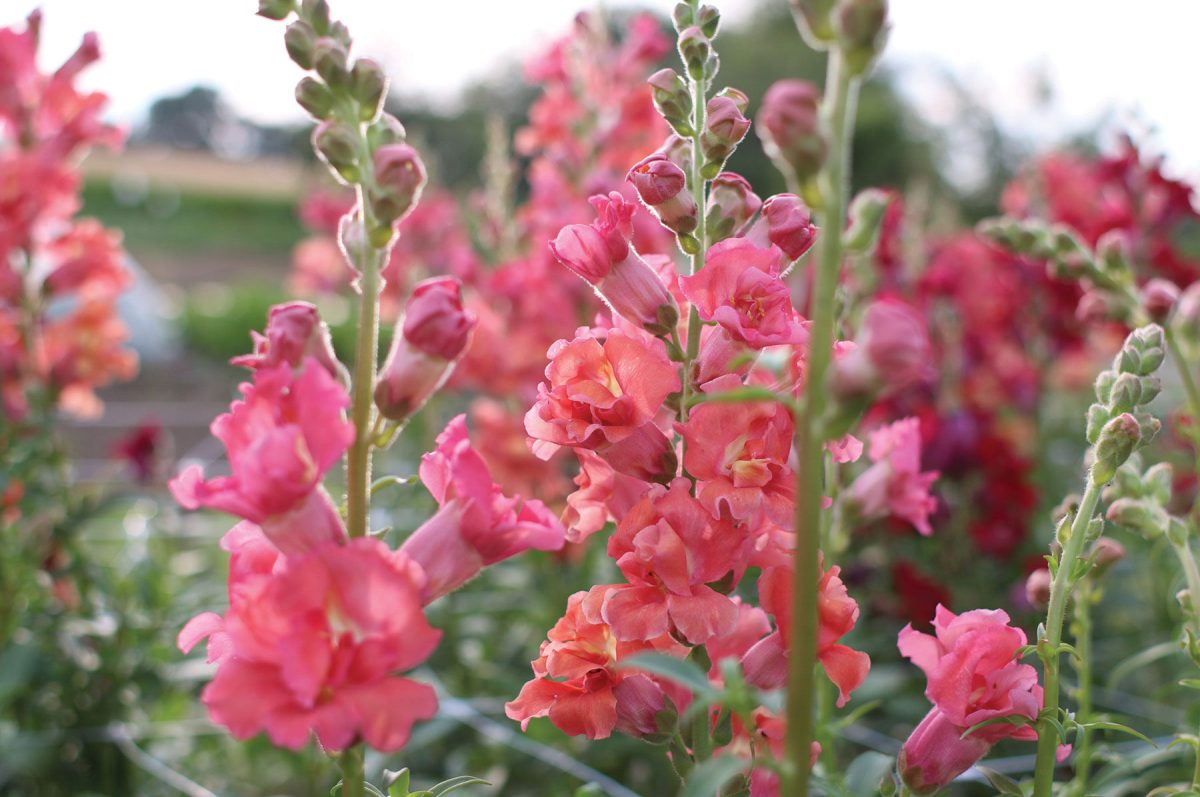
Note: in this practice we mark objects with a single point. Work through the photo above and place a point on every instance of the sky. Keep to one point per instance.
(1103, 58)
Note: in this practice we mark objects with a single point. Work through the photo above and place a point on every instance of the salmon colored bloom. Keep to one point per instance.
(313, 645)
(670, 549)
(280, 439)
(603, 495)
(895, 484)
(740, 289)
(602, 395)
(971, 663)
(477, 525)
(578, 682)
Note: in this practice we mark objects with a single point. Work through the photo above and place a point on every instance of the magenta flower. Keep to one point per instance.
(895, 484)
(892, 353)
(294, 332)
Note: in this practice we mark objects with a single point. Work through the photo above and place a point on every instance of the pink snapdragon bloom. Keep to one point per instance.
(603, 495)
(766, 663)
(732, 203)
(294, 332)
(785, 222)
(973, 672)
(738, 453)
(477, 524)
(280, 439)
(740, 289)
(663, 187)
(434, 335)
(603, 395)
(895, 484)
(670, 549)
(312, 647)
(892, 353)
(579, 684)
(602, 255)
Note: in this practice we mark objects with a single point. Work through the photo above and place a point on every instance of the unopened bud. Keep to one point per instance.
(861, 28)
(337, 145)
(1037, 589)
(435, 333)
(815, 20)
(301, 41)
(314, 97)
(866, 219)
(276, 9)
(724, 128)
(1104, 385)
(316, 12)
(368, 85)
(790, 130)
(1143, 351)
(1187, 315)
(663, 187)
(1104, 554)
(1096, 306)
(1126, 394)
(694, 49)
(399, 179)
(294, 333)
(1158, 482)
(1112, 253)
(1118, 439)
(1158, 298)
(1097, 416)
(1146, 518)
(673, 100)
(788, 225)
(1178, 532)
(329, 60)
(385, 130)
(683, 16)
(709, 21)
(732, 203)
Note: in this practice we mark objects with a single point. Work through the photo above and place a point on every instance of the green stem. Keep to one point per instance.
(351, 764)
(699, 188)
(366, 366)
(1060, 590)
(841, 90)
(1081, 628)
(1189, 387)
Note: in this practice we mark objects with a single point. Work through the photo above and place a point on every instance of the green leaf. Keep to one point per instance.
(589, 790)
(713, 775)
(397, 782)
(684, 673)
(1018, 720)
(453, 784)
(1139, 660)
(1001, 782)
(865, 772)
(1105, 725)
(1190, 683)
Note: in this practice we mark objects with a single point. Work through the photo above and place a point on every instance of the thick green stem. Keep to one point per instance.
(1081, 628)
(700, 196)
(840, 95)
(351, 764)
(1189, 388)
(1060, 591)
(366, 365)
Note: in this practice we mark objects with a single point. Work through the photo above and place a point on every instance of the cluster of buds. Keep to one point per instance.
(1116, 425)
(359, 141)
(858, 28)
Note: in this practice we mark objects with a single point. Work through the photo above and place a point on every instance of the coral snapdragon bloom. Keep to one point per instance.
(766, 663)
(974, 675)
(579, 684)
(603, 394)
(670, 549)
(602, 495)
(312, 646)
(895, 484)
(281, 438)
(477, 524)
(740, 289)
(738, 452)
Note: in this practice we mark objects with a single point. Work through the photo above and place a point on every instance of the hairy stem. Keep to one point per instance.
(699, 188)
(840, 95)
(1081, 628)
(351, 764)
(1060, 591)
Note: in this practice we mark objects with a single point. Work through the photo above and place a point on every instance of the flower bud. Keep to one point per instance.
(315, 98)
(385, 130)
(316, 13)
(694, 49)
(1126, 393)
(337, 145)
(1104, 554)
(435, 333)
(1158, 482)
(663, 187)
(866, 219)
(1146, 518)
(1143, 351)
(1037, 589)
(814, 18)
(1104, 385)
(709, 21)
(683, 16)
(399, 179)
(1118, 439)
(790, 130)
(276, 9)
(1112, 252)
(732, 203)
(673, 100)
(368, 85)
(1097, 416)
(1158, 298)
(1096, 306)
(1187, 316)
(789, 225)
(329, 59)
(861, 28)
(294, 333)
(724, 128)
(301, 41)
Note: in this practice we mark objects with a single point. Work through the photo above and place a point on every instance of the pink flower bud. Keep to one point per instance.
(294, 332)
(788, 224)
(935, 754)
(1037, 589)
(731, 205)
(892, 353)
(663, 187)
(1106, 552)
(399, 179)
(724, 128)
(434, 335)
(1158, 298)
(790, 129)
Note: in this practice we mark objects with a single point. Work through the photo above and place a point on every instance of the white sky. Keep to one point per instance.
(1140, 60)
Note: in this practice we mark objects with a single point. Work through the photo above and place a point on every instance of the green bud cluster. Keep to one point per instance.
(1116, 424)
(858, 28)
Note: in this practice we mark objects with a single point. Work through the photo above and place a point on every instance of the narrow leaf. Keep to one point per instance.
(682, 672)
(713, 775)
